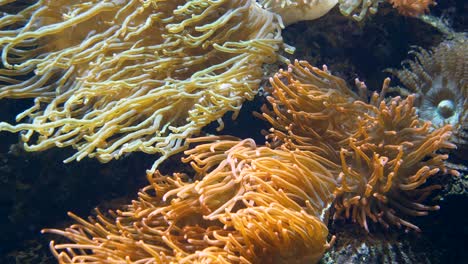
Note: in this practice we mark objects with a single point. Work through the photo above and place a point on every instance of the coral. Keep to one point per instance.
(357, 9)
(384, 151)
(113, 77)
(438, 77)
(292, 11)
(353, 246)
(412, 8)
(246, 204)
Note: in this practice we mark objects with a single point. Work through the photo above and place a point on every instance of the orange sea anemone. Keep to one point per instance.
(246, 204)
(412, 8)
(385, 152)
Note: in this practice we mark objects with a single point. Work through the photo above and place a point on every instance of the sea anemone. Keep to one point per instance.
(246, 204)
(385, 152)
(438, 78)
(412, 8)
(114, 77)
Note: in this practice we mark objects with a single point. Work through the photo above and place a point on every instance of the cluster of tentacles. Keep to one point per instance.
(385, 152)
(329, 151)
(243, 206)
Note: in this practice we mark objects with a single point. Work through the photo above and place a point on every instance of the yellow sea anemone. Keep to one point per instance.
(112, 77)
